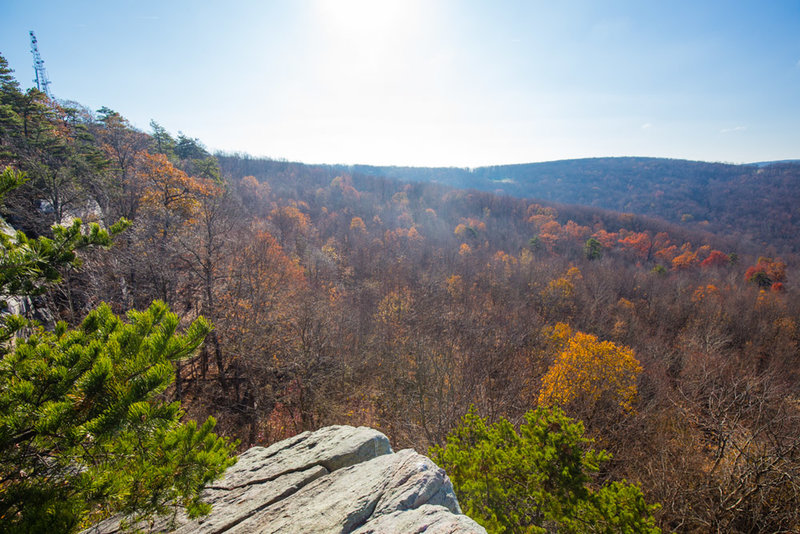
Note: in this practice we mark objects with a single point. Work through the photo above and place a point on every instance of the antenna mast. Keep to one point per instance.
(42, 82)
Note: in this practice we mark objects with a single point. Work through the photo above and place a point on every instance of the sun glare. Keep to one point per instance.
(364, 17)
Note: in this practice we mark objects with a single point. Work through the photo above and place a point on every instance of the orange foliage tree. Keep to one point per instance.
(716, 259)
(171, 191)
(169, 206)
(357, 225)
(607, 239)
(766, 272)
(639, 243)
(685, 260)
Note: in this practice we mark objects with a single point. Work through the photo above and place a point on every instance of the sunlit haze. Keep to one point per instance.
(446, 83)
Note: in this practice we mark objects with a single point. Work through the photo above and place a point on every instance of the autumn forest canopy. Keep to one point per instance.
(649, 308)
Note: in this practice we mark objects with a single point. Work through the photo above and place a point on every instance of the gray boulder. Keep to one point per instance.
(338, 479)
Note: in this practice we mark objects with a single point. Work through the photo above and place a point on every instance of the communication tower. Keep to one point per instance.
(42, 82)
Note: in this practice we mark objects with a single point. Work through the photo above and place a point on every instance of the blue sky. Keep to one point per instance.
(432, 82)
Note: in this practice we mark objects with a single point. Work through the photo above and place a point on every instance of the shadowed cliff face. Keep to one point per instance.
(338, 479)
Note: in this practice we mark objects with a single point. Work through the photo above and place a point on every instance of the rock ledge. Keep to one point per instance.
(338, 479)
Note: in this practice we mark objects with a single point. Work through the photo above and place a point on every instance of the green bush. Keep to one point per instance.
(538, 479)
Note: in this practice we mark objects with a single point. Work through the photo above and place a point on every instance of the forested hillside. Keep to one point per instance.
(755, 202)
(345, 297)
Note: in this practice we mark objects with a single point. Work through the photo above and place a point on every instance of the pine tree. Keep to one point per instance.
(84, 429)
(538, 479)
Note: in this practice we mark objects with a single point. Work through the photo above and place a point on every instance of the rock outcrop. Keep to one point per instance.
(338, 479)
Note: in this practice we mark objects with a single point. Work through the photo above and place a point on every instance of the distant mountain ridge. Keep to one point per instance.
(775, 162)
(758, 201)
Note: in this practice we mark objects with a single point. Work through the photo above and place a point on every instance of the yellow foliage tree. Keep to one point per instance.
(588, 370)
(558, 298)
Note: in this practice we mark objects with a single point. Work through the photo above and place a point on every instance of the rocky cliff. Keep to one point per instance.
(338, 479)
